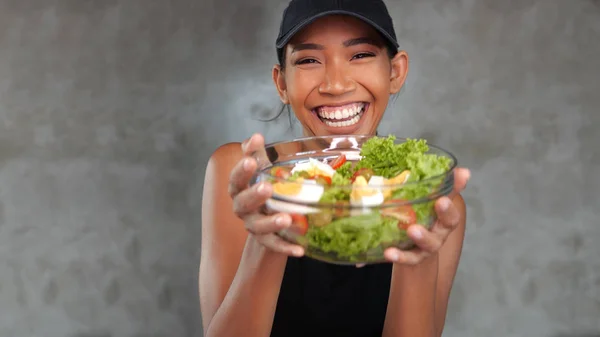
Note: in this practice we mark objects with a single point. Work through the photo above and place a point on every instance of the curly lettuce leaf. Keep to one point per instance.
(345, 171)
(423, 210)
(335, 193)
(352, 236)
(388, 159)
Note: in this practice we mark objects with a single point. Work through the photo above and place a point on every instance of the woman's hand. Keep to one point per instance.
(248, 202)
(430, 241)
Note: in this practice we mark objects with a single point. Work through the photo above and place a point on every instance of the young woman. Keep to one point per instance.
(332, 54)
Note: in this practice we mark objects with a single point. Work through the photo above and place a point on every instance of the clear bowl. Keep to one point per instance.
(346, 232)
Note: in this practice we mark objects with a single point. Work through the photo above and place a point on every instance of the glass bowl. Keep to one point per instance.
(350, 214)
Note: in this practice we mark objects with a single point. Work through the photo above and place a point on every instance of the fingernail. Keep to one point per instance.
(297, 251)
(468, 172)
(395, 255)
(416, 233)
(262, 189)
(282, 221)
(247, 164)
(444, 204)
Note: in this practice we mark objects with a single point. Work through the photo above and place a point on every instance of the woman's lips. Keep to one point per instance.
(347, 125)
(341, 115)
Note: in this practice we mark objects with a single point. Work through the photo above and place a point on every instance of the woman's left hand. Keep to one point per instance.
(430, 241)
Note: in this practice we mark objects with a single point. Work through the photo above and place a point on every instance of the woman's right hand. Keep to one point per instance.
(248, 202)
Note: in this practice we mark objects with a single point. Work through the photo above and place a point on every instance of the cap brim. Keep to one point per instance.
(288, 36)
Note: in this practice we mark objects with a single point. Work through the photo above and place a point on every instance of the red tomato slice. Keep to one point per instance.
(321, 179)
(367, 173)
(280, 172)
(325, 180)
(299, 223)
(338, 162)
(405, 215)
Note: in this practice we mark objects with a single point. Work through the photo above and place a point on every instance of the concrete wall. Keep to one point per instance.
(109, 110)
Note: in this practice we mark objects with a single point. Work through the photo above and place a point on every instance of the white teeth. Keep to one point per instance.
(344, 123)
(342, 113)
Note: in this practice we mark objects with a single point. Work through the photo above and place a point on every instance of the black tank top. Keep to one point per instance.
(319, 299)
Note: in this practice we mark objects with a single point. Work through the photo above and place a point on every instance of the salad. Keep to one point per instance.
(358, 208)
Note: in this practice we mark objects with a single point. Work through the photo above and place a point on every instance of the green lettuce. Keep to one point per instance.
(335, 192)
(388, 159)
(351, 236)
(345, 171)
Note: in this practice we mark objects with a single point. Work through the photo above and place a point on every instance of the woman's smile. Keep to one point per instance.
(341, 117)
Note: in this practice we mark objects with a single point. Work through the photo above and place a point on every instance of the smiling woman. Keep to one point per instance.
(338, 73)
(339, 64)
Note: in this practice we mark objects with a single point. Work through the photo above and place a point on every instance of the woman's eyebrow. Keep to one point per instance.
(361, 40)
(307, 46)
(347, 43)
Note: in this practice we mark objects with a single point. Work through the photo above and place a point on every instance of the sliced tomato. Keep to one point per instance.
(338, 162)
(299, 223)
(280, 172)
(405, 215)
(323, 180)
(367, 173)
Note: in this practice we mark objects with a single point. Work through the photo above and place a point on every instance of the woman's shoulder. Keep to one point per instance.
(226, 155)
(218, 171)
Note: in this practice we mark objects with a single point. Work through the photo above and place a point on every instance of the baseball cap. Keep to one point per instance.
(301, 13)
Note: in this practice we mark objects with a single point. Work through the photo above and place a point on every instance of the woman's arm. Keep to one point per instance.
(419, 294)
(239, 279)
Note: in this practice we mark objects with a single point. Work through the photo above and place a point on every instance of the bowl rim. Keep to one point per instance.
(449, 172)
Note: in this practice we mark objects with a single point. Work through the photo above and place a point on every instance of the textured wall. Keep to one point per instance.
(109, 110)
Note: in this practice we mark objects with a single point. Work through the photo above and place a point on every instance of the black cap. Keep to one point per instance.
(300, 13)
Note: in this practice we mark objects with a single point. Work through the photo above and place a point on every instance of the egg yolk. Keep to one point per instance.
(288, 188)
(397, 180)
(360, 189)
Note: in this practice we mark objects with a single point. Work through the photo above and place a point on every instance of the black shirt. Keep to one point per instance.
(320, 299)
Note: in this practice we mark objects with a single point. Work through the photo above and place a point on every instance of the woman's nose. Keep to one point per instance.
(337, 81)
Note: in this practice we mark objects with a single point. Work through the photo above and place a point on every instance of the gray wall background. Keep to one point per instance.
(109, 111)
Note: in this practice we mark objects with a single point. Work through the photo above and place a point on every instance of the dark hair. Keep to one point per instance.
(282, 109)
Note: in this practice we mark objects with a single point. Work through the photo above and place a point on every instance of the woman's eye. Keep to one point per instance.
(306, 61)
(362, 55)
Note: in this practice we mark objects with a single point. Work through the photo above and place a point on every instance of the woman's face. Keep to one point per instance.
(338, 76)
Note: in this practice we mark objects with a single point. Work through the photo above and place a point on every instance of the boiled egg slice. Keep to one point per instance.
(290, 207)
(363, 195)
(314, 167)
(397, 180)
(299, 191)
(378, 181)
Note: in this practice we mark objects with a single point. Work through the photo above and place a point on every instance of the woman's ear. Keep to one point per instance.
(399, 71)
(279, 80)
